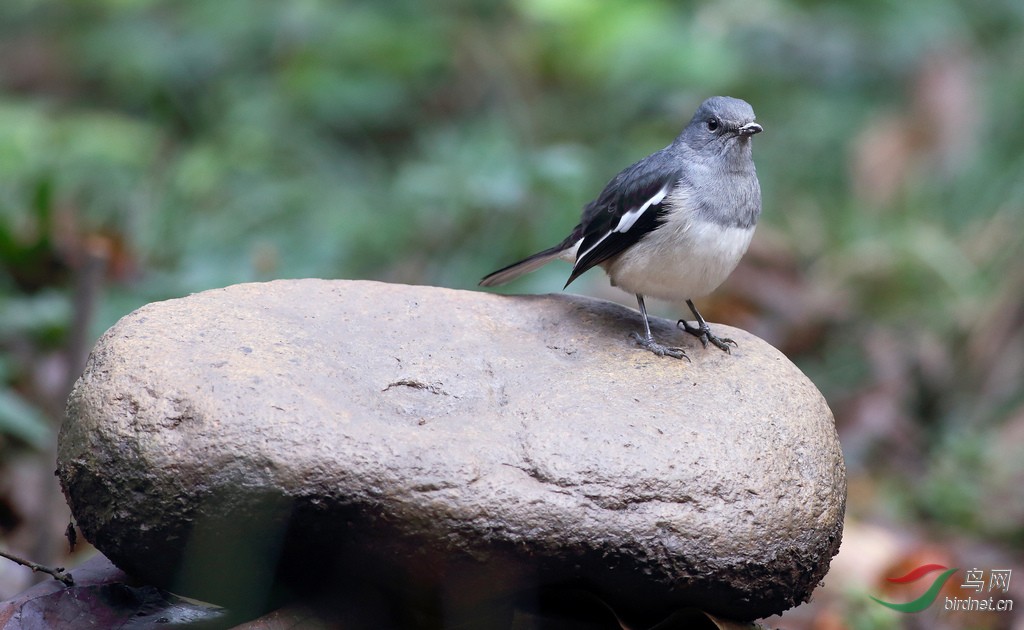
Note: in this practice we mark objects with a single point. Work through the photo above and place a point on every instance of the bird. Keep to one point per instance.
(673, 225)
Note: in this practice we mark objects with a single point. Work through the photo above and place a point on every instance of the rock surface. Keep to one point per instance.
(470, 443)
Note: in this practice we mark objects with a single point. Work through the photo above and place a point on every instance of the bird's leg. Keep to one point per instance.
(703, 332)
(647, 340)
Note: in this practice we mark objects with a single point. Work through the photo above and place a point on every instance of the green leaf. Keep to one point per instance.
(21, 420)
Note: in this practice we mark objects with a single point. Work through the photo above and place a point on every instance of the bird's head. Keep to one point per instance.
(722, 125)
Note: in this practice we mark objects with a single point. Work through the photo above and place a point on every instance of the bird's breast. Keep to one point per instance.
(685, 258)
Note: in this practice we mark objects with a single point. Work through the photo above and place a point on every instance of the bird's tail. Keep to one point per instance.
(526, 265)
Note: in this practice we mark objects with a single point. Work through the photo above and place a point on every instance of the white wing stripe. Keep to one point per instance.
(628, 219)
(583, 255)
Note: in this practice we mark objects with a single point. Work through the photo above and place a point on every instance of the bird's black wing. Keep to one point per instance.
(631, 205)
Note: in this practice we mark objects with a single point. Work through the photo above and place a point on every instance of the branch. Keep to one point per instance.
(58, 574)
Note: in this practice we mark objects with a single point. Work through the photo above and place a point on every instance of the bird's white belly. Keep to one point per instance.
(681, 260)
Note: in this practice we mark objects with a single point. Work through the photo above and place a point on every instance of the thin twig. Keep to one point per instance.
(58, 574)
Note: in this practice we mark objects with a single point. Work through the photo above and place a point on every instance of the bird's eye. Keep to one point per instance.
(713, 124)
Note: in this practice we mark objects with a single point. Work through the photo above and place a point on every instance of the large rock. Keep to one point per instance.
(429, 438)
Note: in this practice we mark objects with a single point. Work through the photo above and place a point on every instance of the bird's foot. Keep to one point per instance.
(662, 351)
(703, 332)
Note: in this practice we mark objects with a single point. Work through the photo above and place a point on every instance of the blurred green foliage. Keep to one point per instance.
(190, 145)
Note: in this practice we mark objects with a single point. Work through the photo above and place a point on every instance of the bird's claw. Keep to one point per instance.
(662, 351)
(706, 336)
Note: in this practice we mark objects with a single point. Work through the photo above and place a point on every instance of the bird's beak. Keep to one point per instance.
(750, 129)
